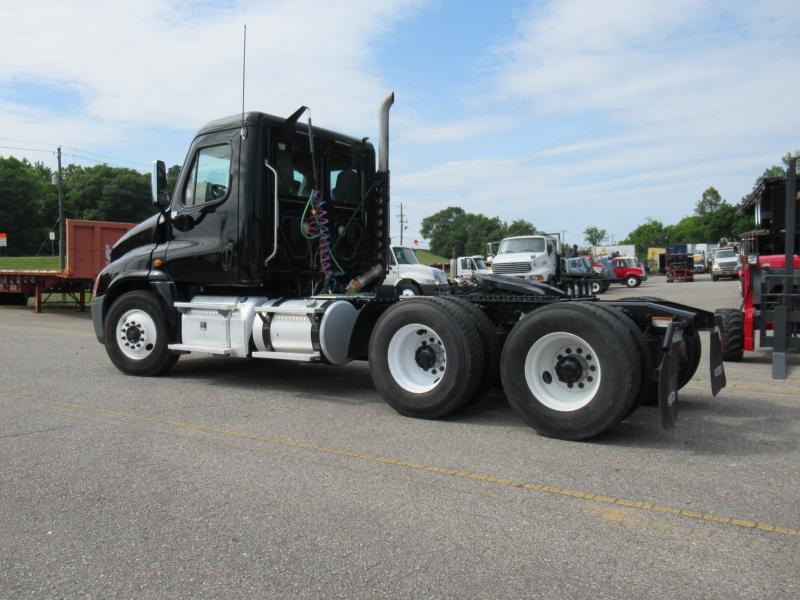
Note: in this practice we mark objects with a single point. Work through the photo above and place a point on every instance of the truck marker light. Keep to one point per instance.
(158, 262)
(661, 321)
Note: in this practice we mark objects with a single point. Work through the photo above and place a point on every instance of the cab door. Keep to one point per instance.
(203, 222)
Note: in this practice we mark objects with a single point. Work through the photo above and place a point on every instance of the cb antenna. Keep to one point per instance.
(243, 131)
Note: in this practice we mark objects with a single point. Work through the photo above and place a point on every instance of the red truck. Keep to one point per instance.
(88, 247)
(620, 269)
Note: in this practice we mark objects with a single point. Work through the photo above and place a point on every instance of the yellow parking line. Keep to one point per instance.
(440, 470)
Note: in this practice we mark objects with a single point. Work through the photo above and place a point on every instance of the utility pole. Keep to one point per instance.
(402, 224)
(61, 228)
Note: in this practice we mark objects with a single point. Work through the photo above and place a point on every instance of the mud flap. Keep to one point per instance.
(668, 375)
(717, 370)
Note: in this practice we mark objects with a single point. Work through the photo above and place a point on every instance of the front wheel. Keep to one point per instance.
(632, 281)
(136, 335)
(407, 289)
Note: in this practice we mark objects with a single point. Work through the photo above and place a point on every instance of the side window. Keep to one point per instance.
(209, 177)
(294, 168)
(465, 263)
(344, 177)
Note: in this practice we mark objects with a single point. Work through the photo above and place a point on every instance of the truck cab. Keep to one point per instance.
(532, 257)
(725, 264)
(628, 271)
(410, 278)
(467, 266)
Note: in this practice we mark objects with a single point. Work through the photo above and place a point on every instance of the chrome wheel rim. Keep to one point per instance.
(136, 334)
(562, 371)
(416, 357)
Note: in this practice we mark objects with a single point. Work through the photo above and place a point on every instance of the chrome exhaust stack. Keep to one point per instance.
(383, 139)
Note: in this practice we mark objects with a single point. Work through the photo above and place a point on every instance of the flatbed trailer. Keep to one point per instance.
(88, 245)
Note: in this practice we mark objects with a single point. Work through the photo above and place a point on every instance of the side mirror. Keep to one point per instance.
(158, 185)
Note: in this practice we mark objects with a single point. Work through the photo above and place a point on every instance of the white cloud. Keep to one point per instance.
(688, 94)
(152, 64)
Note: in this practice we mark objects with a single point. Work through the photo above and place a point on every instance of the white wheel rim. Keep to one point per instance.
(562, 371)
(595, 287)
(136, 334)
(416, 357)
(631, 281)
(406, 292)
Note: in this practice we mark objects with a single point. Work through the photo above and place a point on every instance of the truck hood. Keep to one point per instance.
(140, 235)
(420, 272)
(509, 257)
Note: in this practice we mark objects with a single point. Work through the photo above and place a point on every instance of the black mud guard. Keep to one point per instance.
(716, 367)
(668, 374)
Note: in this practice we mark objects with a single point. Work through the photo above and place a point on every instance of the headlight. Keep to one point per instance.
(440, 276)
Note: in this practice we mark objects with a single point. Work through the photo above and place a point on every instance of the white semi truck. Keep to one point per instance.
(531, 257)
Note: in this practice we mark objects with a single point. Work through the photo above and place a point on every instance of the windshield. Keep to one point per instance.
(521, 245)
(726, 254)
(587, 264)
(479, 264)
(405, 256)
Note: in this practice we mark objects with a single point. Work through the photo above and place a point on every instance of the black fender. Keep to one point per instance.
(156, 282)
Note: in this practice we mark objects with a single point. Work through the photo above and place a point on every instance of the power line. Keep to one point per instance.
(27, 149)
(101, 162)
(115, 158)
(80, 150)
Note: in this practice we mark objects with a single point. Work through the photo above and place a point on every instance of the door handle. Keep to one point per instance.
(227, 256)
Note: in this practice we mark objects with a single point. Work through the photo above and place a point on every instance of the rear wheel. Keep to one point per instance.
(136, 335)
(597, 287)
(732, 333)
(14, 299)
(489, 339)
(688, 361)
(426, 358)
(569, 370)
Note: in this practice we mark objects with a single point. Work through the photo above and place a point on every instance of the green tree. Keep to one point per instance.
(650, 234)
(21, 192)
(467, 233)
(519, 227)
(709, 202)
(107, 193)
(594, 235)
(173, 173)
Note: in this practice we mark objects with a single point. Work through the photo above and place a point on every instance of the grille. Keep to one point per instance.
(513, 267)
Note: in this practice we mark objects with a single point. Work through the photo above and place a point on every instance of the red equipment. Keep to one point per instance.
(88, 244)
(770, 283)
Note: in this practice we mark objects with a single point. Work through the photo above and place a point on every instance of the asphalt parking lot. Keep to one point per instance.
(235, 478)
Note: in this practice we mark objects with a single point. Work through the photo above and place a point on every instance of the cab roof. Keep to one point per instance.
(258, 119)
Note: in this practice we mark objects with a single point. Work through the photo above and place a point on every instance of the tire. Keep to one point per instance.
(408, 289)
(489, 339)
(133, 321)
(688, 362)
(396, 351)
(648, 378)
(714, 278)
(542, 338)
(632, 281)
(732, 334)
(15, 299)
(597, 287)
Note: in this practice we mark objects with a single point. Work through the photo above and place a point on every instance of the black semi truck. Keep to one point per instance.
(274, 245)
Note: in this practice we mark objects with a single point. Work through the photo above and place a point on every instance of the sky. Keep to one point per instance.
(567, 113)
